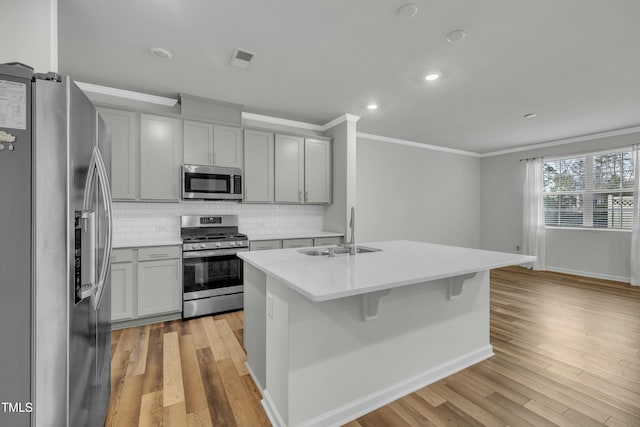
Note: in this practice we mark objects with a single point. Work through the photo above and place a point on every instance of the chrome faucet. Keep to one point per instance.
(351, 246)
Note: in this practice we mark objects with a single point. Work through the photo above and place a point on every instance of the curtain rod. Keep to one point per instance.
(600, 150)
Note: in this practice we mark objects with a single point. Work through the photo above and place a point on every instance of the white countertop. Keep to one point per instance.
(297, 235)
(145, 243)
(400, 263)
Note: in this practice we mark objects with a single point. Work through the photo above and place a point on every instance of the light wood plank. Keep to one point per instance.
(234, 348)
(173, 390)
(151, 411)
(138, 361)
(195, 396)
(215, 340)
(175, 415)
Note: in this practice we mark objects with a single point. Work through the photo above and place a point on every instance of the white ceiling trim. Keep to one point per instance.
(127, 94)
(416, 144)
(589, 137)
(301, 125)
(284, 122)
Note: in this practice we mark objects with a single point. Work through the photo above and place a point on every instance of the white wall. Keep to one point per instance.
(405, 192)
(597, 253)
(29, 33)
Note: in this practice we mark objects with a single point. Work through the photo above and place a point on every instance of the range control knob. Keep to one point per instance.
(194, 246)
(218, 244)
(232, 243)
(202, 246)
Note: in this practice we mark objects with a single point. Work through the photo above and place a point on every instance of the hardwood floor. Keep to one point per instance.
(567, 352)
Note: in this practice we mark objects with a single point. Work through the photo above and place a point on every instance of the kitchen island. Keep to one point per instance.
(331, 338)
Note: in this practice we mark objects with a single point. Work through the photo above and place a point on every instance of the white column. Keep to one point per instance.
(29, 33)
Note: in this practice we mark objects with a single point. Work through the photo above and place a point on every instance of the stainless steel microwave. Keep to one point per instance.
(211, 183)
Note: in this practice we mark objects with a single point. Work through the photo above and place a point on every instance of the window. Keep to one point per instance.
(592, 190)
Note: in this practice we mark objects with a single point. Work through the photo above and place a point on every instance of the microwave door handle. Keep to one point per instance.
(105, 189)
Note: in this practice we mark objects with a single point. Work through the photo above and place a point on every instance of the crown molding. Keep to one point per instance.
(582, 138)
(416, 144)
(279, 121)
(127, 94)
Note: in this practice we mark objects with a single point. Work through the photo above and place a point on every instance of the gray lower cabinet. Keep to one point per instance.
(259, 163)
(159, 289)
(160, 157)
(263, 245)
(146, 285)
(122, 285)
(327, 241)
(297, 243)
(123, 126)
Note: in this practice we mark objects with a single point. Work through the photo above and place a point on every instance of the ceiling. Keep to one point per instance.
(575, 63)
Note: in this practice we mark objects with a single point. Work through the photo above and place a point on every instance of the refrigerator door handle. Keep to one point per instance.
(92, 287)
(105, 189)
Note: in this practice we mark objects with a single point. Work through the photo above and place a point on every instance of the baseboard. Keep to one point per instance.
(255, 379)
(373, 401)
(588, 274)
(272, 411)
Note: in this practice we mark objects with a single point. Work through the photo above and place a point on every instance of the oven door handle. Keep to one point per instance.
(213, 253)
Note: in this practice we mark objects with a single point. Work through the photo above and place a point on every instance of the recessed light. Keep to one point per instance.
(372, 106)
(432, 76)
(455, 36)
(529, 115)
(160, 53)
(408, 10)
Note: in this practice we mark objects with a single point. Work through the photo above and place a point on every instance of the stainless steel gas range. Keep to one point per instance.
(212, 273)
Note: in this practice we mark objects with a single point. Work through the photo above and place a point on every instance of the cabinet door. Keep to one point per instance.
(159, 288)
(259, 161)
(122, 291)
(297, 243)
(317, 171)
(198, 143)
(160, 150)
(227, 146)
(122, 125)
(265, 245)
(289, 169)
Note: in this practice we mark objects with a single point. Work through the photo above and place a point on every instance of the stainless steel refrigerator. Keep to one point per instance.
(55, 253)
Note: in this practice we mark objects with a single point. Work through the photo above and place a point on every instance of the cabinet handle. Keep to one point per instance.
(213, 156)
(306, 195)
(299, 196)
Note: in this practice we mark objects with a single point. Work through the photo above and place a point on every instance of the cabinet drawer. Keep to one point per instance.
(158, 252)
(263, 245)
(324, 241)
(297, 243)
(122, 255)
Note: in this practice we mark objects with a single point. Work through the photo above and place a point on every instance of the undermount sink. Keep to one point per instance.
(337, 250)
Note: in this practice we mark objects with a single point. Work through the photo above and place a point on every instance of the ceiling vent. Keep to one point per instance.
(241, 58)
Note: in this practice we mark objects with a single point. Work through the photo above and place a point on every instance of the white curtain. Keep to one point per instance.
(533, 218)
(635, 233)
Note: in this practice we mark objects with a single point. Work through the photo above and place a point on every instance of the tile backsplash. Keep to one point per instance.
(136, 222)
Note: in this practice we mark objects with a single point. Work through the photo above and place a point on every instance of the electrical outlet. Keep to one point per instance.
(270, 306)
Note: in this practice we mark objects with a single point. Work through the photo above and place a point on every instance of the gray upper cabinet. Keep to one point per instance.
(123, 128)
(259, 158)
(160, 157)
(317, 171)
(198, 143)
(289, 169)
(227, 146)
